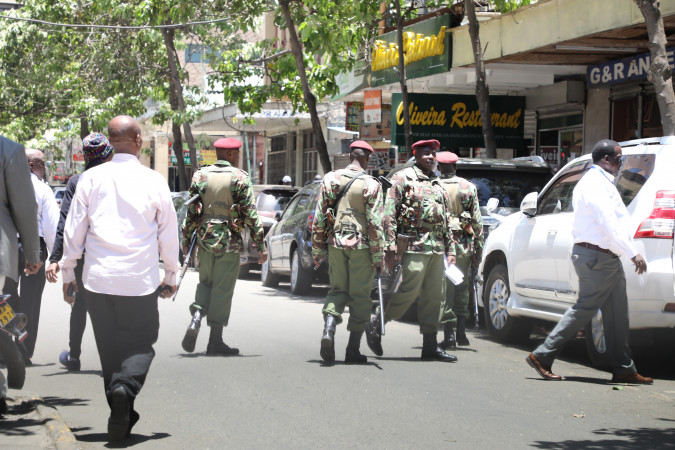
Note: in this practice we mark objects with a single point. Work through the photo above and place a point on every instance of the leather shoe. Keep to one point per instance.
(118, 423)
(544, 372)
(373, 337)
(633, 378)
(437, 354)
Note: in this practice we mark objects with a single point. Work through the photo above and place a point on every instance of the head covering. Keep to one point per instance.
(95, 149)
(362, 145)
(227, 144)
(446, 158)
(431, 143)
(286, 179)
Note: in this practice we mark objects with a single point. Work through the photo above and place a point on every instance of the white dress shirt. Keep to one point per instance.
(123, 216)
(600, 217)
(48, 211)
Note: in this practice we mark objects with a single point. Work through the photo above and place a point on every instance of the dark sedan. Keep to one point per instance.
(289, 243)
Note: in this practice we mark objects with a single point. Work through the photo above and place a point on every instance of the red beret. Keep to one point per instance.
(446, 157)
(362, 145)
(227, 144)
(431, 143)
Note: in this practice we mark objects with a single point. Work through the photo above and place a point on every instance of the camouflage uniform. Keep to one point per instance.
(467, 230)
(352, 255)
(417, 206)
(219, 243)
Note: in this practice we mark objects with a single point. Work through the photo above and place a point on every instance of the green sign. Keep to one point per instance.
(455, 120)
(427, 50)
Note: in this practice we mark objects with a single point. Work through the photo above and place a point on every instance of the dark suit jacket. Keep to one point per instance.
(18, 209)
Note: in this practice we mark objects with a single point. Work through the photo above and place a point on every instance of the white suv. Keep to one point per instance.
(526, 264)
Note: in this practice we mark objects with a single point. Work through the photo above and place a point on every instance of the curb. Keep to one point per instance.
(57, 430)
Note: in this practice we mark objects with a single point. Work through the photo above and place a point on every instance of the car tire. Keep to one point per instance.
(268, 278)
(244, 271)
(301, 279)
(595, 343)
(499, 324)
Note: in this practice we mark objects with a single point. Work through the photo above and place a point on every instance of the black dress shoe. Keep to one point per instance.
(437, 354)
(190, 338)
(133, 419)
(373, 337)
(220, 349)
(118, 423)
(327, 351)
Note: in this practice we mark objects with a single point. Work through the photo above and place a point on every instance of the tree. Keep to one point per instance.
(660, 73)
(326, 38)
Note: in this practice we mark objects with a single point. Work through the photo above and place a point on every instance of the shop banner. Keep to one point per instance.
(427, 50)
(372, 107)
(622, 70)
(455, 121)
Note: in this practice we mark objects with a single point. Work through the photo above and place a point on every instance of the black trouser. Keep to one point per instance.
(125, 329)
(30, 298)
(78, 315)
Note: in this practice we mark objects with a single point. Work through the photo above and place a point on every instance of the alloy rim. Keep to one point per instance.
(499, 296)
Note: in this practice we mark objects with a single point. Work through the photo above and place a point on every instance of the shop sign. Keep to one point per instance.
(206, 157)
(426, 51)
(352, 116)
(622, 70)
(455, 120)
(186, 157)
(550, 155)
(372, 107)
(78, 156)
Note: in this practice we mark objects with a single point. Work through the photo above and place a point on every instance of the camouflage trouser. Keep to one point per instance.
(423, 277)
(457, 297)
(217, 277)
(351, 278)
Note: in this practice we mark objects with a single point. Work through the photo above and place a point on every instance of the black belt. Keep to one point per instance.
(595, 247)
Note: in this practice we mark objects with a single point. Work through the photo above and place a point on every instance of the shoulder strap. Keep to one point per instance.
(344, 189)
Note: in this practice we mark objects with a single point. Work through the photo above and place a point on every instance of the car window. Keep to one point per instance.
(509, 187)
(290, 209)
(634, 173)
(273, 201)
(558, 197)
(303, 203)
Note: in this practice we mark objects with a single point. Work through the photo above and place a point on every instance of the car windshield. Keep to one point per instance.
(508, 187)
(269, 202)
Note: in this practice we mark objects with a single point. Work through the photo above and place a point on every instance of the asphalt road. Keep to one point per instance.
(279, 394)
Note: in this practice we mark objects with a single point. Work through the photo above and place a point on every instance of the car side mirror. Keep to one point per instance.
(529, 204)
(277, 216)
(492, 205)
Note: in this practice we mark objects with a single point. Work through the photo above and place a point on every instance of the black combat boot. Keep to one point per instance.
(353, 355)
(431, 350)
(216, 345)
(373, 336)
(190, 338)
(461, 332)
(328, 339)
(448, 337)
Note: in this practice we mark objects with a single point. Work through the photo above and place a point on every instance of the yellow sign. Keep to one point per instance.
(416, 46)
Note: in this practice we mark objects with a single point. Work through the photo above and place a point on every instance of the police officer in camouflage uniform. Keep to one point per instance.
(417, 206)
(225, 205)
(349, 230)
(467, 228)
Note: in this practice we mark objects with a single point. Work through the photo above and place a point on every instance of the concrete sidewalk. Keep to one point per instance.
(32, 423)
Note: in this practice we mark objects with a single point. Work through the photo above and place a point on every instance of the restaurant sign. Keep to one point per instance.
(426, 51)
(455, 120)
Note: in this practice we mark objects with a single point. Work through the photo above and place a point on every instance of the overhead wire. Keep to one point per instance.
(114, 27)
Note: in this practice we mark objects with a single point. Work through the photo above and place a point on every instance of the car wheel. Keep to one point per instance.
(500, 325)
(268, 278)
(244, 270)
(301, 279)
(595, 343)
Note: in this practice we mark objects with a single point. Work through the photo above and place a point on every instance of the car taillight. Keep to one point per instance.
(310, 221)
(661, 221)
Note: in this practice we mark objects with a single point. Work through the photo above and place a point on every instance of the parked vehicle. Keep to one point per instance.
(59, 192)
(12, 335)
(289, 243)
(270, 199)
(179, 199)
(526, 262)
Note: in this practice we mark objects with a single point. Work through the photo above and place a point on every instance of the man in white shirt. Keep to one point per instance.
(601, 235)
(27, 292)
(123, 216)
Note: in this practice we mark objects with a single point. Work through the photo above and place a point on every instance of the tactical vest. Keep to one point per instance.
(351, 213)
(217, 199)
(451, 186)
